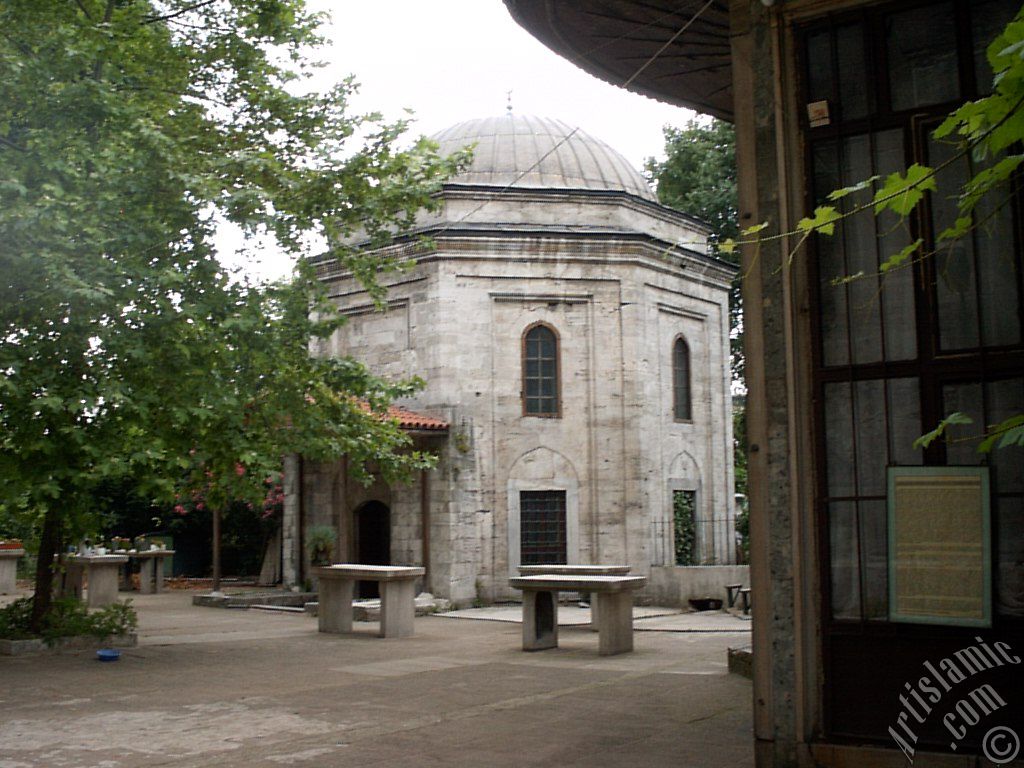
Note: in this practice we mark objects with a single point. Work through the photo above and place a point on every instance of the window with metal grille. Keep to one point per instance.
(542, 527)
(682, 407)
(684, 520)
(899, 349)
(540, 372)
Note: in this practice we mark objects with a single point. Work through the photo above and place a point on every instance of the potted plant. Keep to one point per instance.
(320, 541)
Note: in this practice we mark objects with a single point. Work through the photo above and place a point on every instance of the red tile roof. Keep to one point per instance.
(410, 419)
(416, 421)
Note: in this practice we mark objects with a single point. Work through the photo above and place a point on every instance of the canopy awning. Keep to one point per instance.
(621, 41)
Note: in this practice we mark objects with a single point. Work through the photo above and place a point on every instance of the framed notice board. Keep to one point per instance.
(940, 546)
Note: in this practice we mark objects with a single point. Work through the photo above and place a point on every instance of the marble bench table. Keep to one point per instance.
(566, 569)
(101, 572)
(540, 609)
(9, 570)
(151, 569)
(397, 596)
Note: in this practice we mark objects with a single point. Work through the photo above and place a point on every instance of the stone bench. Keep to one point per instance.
(540, 609)
(151, 569)
(100, 572)
(565, 569)
(397, 596)
(9, 570)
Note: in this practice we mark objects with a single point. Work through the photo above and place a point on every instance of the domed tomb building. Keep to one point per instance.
(573, 334)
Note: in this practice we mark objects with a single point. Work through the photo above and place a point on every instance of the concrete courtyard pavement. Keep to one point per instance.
(216, 687)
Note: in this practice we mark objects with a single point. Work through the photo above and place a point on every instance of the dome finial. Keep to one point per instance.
(508, 106)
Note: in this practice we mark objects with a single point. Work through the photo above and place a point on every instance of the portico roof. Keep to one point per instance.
(673, 50)
(416, 422)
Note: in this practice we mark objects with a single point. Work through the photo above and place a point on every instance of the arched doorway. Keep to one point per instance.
(373, 541)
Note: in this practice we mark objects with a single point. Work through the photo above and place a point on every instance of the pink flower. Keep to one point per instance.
(180, 509)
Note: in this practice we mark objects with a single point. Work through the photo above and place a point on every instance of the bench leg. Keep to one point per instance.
(595, 611)
(615, 627)
(124, 576)
(540, 620)
(73, 583)
(397, 608)
(334, 614)
(102, 586)
(146, 570)
(158, 576)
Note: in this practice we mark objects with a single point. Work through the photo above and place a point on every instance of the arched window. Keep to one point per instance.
(540, 372)
(682, 407)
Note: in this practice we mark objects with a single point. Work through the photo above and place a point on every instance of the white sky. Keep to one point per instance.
(454, 60)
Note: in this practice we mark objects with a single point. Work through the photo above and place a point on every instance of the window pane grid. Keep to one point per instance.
(542, 527)
(540, 372)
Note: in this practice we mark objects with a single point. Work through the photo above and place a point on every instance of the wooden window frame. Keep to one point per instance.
(558, 371)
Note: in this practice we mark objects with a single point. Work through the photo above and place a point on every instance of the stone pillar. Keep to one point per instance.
(777, 347)
(291, 556)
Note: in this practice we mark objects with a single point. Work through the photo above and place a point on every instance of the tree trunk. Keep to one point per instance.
(216, 550)
(48, 545)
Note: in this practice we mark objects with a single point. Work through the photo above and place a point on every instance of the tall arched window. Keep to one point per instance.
(682, 406)
(540, 372)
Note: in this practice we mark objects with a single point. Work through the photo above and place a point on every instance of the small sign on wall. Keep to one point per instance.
(940, 556)
(818, 113)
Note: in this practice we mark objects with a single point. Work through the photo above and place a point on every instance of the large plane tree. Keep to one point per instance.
(128, 128)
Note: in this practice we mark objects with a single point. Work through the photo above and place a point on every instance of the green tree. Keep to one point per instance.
(698, 177)
(127, 128)
(698, 174)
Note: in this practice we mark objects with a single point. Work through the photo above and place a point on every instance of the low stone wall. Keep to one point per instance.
(674, 585)
(81, 643)
(249, 599)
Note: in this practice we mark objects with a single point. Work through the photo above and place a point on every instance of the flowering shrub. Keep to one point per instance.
(247, 525)
(197, 499)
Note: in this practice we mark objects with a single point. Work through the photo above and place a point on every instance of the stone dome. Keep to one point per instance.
(526, 151)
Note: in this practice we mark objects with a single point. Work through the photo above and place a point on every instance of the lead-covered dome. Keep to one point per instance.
(539, 153)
